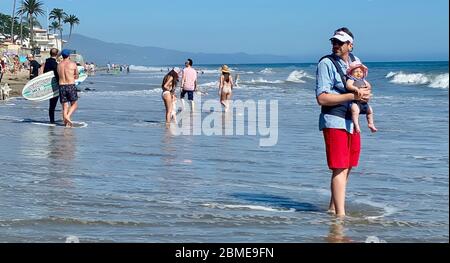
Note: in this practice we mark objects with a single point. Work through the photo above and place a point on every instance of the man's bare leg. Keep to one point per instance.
(73, 108)
(183, 105)
(338, 190)
(66, 117)
(332, 209)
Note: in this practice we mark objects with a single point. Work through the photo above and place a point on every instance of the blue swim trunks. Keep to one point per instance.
(68, 93)
(189, 93)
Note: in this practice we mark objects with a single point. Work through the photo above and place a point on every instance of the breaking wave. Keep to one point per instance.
(433, 81)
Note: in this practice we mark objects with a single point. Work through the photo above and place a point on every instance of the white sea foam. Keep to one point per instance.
(148, 69)
(267, 71)
(210, 84)
(297, 76)
(132, 93)
(10, 118)
(440, 81)
(250, 207)
(433, 81)
(209, 71)
(261, 80)
(388, 210)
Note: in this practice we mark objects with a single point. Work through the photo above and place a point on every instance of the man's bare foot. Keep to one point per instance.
(68, 122)
(373, 128)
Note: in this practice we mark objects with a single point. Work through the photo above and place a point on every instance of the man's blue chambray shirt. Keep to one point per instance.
(329, 81)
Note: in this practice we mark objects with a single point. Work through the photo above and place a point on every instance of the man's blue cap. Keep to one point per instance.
(65, 53)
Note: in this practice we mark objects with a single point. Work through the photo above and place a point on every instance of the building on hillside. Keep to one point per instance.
(44, 40)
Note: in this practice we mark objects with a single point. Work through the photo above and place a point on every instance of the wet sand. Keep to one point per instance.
(16, 82)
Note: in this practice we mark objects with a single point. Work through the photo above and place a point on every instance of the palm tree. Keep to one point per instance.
(32, 8)
(21, 13)
(59, 15)
(54, 26)
(12, 22)
(71, 20)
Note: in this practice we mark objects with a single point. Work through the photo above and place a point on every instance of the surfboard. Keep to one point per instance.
(75, 124)
(45, 86)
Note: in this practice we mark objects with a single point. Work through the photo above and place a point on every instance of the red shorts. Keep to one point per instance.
(343, 148)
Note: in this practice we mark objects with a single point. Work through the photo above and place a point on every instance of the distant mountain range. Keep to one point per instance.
(100, 52)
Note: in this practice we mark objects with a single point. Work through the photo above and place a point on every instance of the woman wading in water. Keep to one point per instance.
(226, 87)
(168, 94)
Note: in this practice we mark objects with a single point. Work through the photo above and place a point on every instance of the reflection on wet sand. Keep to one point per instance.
(61, 154)
(62, 144)
(337, 232)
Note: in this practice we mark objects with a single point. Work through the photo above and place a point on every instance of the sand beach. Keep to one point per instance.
(16, 82)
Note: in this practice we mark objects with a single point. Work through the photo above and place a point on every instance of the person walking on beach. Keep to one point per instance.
(51, 64)
(34, 66)
(189, 83)
(16, 65)
(225, 87)
(2, 69)
(68, 73)
(169, 85)
(343, 145)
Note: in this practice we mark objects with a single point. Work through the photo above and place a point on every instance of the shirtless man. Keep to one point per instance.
(68, 73)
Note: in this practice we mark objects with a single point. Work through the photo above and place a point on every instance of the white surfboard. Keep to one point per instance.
(75, 124)
(45, 86)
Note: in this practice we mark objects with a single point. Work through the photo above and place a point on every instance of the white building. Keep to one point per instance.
(44, 40)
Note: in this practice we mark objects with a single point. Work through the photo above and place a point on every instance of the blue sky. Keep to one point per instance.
(385, 30)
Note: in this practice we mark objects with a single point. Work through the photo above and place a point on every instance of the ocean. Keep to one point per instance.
(126, 178)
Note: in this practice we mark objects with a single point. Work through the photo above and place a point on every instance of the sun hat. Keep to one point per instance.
(177, 70)
(342, 36)
(225, 69)
(356, 64)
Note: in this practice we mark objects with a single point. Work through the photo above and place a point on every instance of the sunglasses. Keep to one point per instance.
(337, 42)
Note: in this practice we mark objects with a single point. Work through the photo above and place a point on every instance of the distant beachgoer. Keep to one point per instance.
(51, 64)
(108, 67)
(168, 86)
(225, 87)
(16, 65)
(68, 73)
(2, 69)
(189, 83)
(128, 69)
(34, 66)
(92, 69)
(343, 145)
(357, 74)
(236, 83)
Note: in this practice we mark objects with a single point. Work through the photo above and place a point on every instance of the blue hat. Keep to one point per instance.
(65, 53)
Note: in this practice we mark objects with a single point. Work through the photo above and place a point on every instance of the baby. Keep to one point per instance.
(356, 74)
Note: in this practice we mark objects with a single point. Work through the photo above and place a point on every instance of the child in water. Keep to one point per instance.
(357, 74)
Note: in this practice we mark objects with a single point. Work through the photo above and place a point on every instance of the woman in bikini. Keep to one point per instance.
(168, 94)
(225, 87)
